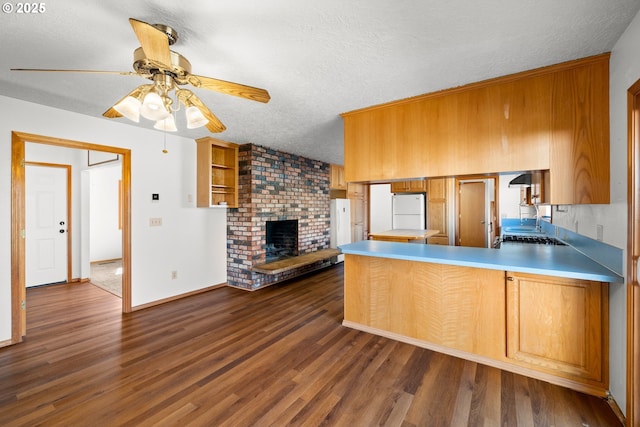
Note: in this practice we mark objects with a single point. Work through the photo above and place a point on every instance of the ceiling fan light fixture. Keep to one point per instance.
(153, 107)
(130, 108)
(167, 124)
(195, 118)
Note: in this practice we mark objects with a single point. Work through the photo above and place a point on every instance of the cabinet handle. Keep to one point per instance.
(509, 278)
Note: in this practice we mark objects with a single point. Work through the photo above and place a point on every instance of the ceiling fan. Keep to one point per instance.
(168, 71)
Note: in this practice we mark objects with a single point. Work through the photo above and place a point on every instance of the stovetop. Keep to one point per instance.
(531, 239)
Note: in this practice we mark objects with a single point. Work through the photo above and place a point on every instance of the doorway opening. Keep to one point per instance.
(476, 211)
(18, 221)
(103, 183)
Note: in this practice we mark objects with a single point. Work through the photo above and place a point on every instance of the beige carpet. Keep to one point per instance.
(108, 276)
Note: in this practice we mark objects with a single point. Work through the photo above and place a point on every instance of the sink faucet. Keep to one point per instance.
(524, 221)
(535, 205)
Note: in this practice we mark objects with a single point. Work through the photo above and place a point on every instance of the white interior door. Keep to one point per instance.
(46, 225)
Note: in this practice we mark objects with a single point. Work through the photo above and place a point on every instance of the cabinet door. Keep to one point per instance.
(437, 211)
(558, 325)
(413, 186)
(337, 181)
(398, 186)
(417, 186)
(580, 135)
(437, 189)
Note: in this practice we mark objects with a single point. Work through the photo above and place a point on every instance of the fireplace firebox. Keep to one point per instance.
(281, 239)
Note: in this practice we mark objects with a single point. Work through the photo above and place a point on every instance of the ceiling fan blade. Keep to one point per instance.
(122, 73)
(137, 93)
(154, 42)
(235, 89)
(189, 99)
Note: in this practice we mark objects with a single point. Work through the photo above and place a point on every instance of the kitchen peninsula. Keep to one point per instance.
(541, 311)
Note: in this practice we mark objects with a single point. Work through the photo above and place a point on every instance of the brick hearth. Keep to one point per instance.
(274, 185)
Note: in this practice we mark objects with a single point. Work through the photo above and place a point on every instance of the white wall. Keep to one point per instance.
(105, 238)
(509, 197)
(191, 240)
(624, 71)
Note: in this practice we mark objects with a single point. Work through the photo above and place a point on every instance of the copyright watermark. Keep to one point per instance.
(24, 8)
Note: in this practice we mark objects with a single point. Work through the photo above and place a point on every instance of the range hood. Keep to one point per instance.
(524, 179)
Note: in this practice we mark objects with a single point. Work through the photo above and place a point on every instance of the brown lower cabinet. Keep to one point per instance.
(558, 325)
(550, 328)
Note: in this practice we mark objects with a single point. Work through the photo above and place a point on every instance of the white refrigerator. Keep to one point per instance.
(409, 211)
(340, 219)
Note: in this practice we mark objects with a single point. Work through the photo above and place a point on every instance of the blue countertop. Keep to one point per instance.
(559, 261)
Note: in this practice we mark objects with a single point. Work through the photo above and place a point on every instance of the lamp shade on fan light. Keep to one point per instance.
(130, 108)
(153, 108)
(168, 124)
(195, 118)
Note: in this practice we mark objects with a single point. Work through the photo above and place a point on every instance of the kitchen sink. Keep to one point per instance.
(523, 229)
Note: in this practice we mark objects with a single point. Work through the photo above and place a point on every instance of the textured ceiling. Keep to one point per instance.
(316, 59)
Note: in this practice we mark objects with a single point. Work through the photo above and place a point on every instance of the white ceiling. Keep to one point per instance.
(316, 59)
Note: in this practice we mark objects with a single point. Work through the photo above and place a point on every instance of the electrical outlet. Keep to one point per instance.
(599, 232)
(155, 222)
(174, 275)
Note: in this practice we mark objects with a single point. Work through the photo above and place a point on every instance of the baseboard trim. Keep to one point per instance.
(616, 409)
(177, 297)
(7, 343)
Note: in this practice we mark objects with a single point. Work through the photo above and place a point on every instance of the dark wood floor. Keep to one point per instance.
(278, 357)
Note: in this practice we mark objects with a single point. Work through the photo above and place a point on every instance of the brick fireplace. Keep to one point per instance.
(275, 186)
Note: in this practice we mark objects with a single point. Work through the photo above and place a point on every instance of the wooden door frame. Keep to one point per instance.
(472, 178)
(69, 211)
(18, 290)
(633, 253)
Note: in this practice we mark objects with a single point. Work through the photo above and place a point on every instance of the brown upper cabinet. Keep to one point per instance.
(412, 186)
(554, 118)
(337, 181)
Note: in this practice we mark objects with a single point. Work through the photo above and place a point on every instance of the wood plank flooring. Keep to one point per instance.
(275, 357)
